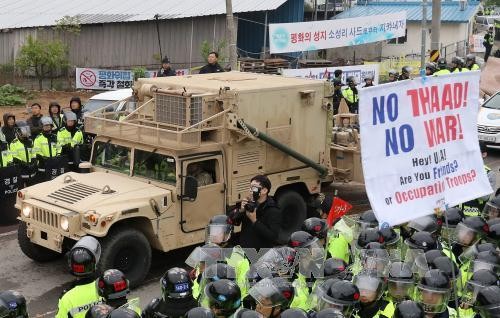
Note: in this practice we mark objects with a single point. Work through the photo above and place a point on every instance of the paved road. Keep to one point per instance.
(43, 283)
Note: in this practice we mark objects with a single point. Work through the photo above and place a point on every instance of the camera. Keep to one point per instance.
(251, 205)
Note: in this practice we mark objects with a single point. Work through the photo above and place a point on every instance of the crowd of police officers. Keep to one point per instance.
(441, 265)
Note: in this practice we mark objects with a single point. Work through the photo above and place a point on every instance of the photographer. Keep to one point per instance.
(259, 215)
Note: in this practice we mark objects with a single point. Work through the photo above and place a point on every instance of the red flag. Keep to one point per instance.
(339, 208)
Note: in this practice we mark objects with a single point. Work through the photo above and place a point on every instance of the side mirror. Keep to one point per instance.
(190, 189)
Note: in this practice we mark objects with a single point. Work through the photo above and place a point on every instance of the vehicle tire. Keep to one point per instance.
(9, 212)
(293, 213)
(35, 252)
(128, 250)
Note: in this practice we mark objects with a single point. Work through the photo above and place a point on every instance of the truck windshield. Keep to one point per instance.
(154, 166)
(111, 156)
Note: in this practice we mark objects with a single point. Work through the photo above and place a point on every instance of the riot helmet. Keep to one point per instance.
(368, 235)
(84, 256)
(340, 295)
(248, 313)
(112, 284)
(427, 223)
(217, 272)
(310, 251)
(433, 291)
(470, 58)
(47, 123)
(400, 281)
(316, 227)
(409, 309)
(393, 75)
(488, 302)
(422, 241)
(222, 296)
(422, 261)
(272, 294)
(486, 260)
(176, 284)
(329, 313)
(406, 70)
(368, 219)
(205, 255)
(447, 267)
(23, 132)
(452, 216)
(12, 305)
(335, 268)
(470, 230)
(494, 233)
(123, 312)
(480, 279)
(218, 230)
(430, 68)
(442, 63)
(200, 312)
(351, 81)
(492, 209)
(370, 286)
(281, 260)
(391, 237)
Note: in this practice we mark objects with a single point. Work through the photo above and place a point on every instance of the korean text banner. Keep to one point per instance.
(419, 146)
(92, 78)
(358, 71)
(315, 35)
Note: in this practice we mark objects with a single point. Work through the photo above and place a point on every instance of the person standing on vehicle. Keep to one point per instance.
(113, 287)
(177, 296)
(82, 261)
(9, 127)
(69, 137)
(213, 65)
(488, 42)
(337, 95)
(261, 217)
(75, 104)
(351, 95)
(57, 117)
(21, 149)
(35, 120)
(45, 144)
(166, 69)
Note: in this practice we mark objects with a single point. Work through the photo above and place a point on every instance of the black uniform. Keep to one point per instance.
(9, 131)
(372, 310)
(35, 125)
(336, 98)
(265, 231)
(211, 68)
(172, 308)
(164, 72)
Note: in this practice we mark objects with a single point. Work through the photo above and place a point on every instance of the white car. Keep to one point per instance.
(488, 123)
(100, 100)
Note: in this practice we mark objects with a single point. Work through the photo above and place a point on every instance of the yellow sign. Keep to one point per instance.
(397, 64)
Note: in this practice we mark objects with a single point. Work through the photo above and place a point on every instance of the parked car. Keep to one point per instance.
(488, 125)
(100, 100)
(483, 23)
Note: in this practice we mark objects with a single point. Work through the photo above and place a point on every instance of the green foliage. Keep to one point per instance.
(12, 95)
(139, 72)
(70, 24)
(43, 59)
(206, 48)
(157, 57)
(7, 68)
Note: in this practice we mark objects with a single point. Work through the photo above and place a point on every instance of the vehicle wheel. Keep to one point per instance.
(35, 252)
(294, 212)
(128, 250)
(9, 212)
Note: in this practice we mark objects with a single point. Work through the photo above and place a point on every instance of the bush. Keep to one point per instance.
(11, 95)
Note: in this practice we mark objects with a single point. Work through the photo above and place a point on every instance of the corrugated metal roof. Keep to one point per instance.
(35, 13)
(450, 11)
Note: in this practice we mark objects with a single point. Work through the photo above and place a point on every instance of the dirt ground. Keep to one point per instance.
(44, 98)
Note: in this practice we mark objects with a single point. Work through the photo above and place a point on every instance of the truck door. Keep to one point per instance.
(209, 172)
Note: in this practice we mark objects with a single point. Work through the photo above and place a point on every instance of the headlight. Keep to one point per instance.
(64, 222)
(26, 211)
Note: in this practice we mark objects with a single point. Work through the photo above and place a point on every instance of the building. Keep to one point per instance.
(457, 18)
(123, 33)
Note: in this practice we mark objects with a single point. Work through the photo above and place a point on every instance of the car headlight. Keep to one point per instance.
(26, 211)
(64, 223)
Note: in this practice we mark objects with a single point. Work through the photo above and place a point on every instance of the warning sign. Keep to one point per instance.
(92, 78)
(87, 78)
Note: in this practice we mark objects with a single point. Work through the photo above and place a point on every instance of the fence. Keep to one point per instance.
(460, 48)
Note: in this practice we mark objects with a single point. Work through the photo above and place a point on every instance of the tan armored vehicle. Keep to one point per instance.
(187, 152)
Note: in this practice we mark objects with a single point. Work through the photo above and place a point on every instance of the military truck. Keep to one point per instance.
(142, 189)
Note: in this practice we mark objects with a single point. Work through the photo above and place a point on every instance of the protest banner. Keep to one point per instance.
(476, 43)
(315, 35)
(419, 145)
(320, 73)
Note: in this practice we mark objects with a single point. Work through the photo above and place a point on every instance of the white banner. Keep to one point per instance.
(477, 43)
(315, 35)
(319, 73)
(93, 78)
(419, 145)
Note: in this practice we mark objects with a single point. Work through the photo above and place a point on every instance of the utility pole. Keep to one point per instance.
(436, 30)
(233, 56)
(424, 34)
(157, 16)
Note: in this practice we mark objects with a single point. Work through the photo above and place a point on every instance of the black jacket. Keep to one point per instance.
(265, 231)
(35, 125)
(9, 132)
(211, 68)
(166, 72)
(171, 308)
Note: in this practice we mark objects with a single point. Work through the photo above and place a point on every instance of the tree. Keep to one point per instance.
(42, 59)
(206, 48)
(70, 24)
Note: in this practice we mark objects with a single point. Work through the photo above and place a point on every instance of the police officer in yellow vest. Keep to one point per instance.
(470, 61)
(351, 95)
(68, 137)
(21, 149)
(443, 67)
(113, 287)
(45, 144)
(200, 258)
(488, 42)
(457, 65)
(6, 158)
(409, 309)
(82, 261)
(371, 288)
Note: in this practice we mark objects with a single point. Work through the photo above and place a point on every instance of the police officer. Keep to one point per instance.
(337, 95)
(339, 294)
(216, 272)
(488, 42)
(443, 67)
(470, 62)
(56, 116)
(457, 65)
(448, 267)
(316, 227)
(123, 312)
(393, 76)
(82, 261)
(6, 156)
(201, 257)
(351, 95)
(294, 313)
(488, 302)
(69, 137)
(433, 292)
(273, 296)
(45, 144)
(368, 80)
(405, 73)
(430, 68)
(200, 312)
(400, 282)
(371, 287)
(113, 287)
(223, 297)
(409, 309)
(491, 210)
(177, 296)
(451, 216)
(12, 305)
(21, 149)
(469, 232)
(479, 280)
